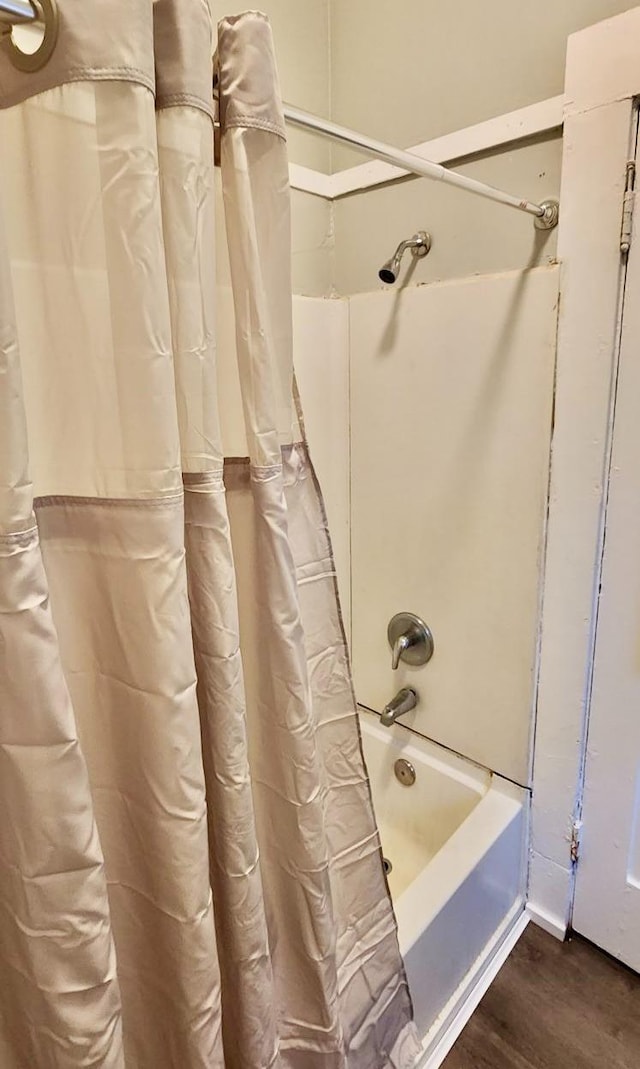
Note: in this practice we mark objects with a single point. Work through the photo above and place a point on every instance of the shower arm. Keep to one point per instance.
(545, 214)
(419, 244)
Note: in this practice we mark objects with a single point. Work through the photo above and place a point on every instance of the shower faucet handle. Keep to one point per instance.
(410, 639)
(400, 645)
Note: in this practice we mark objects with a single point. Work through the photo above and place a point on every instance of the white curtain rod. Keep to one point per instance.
(546, 213)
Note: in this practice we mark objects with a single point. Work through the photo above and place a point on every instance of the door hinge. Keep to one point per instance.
(628, 202)
(574, 847)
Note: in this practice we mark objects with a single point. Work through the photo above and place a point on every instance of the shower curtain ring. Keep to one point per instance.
(46, 19)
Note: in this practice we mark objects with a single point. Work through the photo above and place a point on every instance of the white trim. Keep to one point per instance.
(310, 181)
(540, 118)
(555, 926)
(441, 1038)
(602, 77)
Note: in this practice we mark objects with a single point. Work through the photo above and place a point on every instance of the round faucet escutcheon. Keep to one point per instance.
(410, 639)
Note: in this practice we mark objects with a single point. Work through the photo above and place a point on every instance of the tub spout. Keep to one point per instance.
(404, 700)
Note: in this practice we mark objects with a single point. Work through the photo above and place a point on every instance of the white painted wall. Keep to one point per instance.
(409, 70)
(469, 235)
(451, 401)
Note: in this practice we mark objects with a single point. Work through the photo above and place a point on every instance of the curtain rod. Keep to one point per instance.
(15, 11)
(546, 213)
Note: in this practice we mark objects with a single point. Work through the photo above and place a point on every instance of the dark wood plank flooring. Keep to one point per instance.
(554, 1006)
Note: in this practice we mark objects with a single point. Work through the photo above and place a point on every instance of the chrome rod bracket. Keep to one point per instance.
(550, 216)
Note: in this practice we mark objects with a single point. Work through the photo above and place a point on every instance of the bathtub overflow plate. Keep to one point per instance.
(405, 772)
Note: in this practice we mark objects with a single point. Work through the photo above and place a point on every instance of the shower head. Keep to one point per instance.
(419, 244)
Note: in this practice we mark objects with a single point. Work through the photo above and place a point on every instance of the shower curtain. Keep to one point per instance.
(190, 870)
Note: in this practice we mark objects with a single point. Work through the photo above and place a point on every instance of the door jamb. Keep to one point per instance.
(602, 80)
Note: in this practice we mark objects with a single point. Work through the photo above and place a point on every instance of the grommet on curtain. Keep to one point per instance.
(47, 24)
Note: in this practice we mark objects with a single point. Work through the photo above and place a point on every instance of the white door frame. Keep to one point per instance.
(602, 79)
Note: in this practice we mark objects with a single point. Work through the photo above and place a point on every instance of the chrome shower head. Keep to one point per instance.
(389, 272)
(419, 244)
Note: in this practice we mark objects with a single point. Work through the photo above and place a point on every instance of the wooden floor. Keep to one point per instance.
(554, 1006)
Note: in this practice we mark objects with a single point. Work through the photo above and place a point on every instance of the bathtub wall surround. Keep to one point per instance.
(451, 404)
(434, 404)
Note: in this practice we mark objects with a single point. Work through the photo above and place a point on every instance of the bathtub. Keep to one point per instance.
(454, 841)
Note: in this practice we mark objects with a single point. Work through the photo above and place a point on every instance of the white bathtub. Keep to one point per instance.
(455, 840)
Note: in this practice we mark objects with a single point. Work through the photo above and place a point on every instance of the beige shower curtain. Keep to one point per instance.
(190, 871)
